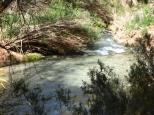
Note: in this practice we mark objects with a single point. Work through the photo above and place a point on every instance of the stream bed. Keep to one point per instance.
(71, 71)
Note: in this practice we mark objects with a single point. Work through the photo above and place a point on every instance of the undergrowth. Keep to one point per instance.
(142, 20)
(12, 22)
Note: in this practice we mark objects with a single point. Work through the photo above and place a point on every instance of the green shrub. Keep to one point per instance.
(141, 78)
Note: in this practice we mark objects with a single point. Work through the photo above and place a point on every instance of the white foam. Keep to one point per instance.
(102, 52)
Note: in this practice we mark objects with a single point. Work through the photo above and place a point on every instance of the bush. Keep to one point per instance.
(142, 79)
(103, 90)
(56, 11)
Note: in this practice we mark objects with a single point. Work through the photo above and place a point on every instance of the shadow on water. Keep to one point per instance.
(69, 72)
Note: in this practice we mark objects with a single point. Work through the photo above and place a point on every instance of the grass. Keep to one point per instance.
(65, 11)
(142, 20)
(10, 23)
(93, 27)
(57, 10)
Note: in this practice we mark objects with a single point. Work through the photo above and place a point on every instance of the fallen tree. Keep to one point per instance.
(63, 39)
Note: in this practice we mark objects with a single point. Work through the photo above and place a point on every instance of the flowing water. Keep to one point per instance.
(69, 72)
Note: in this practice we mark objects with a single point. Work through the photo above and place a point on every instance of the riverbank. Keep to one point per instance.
(133, 24)
(34, 88)
(59, 29)
(61, 38)
(72, 37)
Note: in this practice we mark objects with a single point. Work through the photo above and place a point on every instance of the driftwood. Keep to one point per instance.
(61, 39)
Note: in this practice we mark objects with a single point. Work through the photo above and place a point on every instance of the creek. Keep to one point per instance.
(71, 71)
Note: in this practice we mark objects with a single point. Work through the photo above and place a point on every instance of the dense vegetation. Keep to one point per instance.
(142, 20)
(12, 22)
(105, 94)
(29, 27)
(25, 29)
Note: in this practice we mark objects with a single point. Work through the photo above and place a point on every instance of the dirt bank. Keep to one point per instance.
(132, 38)
(9, 57)
(63, 38)
(123, 35)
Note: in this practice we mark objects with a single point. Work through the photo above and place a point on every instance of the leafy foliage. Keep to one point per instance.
(142, 79)
(103, 90)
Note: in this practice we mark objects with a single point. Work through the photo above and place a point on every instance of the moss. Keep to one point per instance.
(30, 57)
